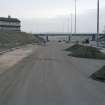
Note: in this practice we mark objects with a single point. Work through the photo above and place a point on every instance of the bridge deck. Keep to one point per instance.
(78, 34)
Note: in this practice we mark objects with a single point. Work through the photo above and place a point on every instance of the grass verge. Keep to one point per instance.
(85, 52)
(99, 75)
(14, 39)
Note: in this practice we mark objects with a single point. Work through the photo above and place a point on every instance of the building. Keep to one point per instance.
(10, 24)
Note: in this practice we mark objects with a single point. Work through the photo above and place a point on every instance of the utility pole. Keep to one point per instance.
(98, 12)
(75, 17)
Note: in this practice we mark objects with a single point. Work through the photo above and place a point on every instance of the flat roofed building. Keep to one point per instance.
(10, 24)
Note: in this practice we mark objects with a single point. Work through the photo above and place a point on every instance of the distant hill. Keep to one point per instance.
(14, 39)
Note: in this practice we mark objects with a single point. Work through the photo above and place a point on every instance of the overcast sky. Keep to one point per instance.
(51, 15)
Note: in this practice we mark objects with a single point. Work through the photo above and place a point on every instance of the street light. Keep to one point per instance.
(75, 16)
(69, 33)
(98, 7)
(68, 26)
(71, 26)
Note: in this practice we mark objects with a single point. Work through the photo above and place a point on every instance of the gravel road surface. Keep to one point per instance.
(48, 76)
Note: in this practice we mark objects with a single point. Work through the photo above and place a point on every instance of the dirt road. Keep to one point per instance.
(49, 77)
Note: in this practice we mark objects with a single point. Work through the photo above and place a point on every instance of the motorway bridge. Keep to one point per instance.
(93, 35)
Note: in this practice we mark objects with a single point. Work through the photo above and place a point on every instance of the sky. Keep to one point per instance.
(40, 16)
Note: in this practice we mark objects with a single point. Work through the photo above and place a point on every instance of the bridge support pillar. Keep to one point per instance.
(69, 38)
(47, 38)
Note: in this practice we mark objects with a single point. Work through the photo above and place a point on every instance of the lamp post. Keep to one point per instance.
(97, 36)
(75, 16)
(68, 26)
(71, 26)
(70, 33)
